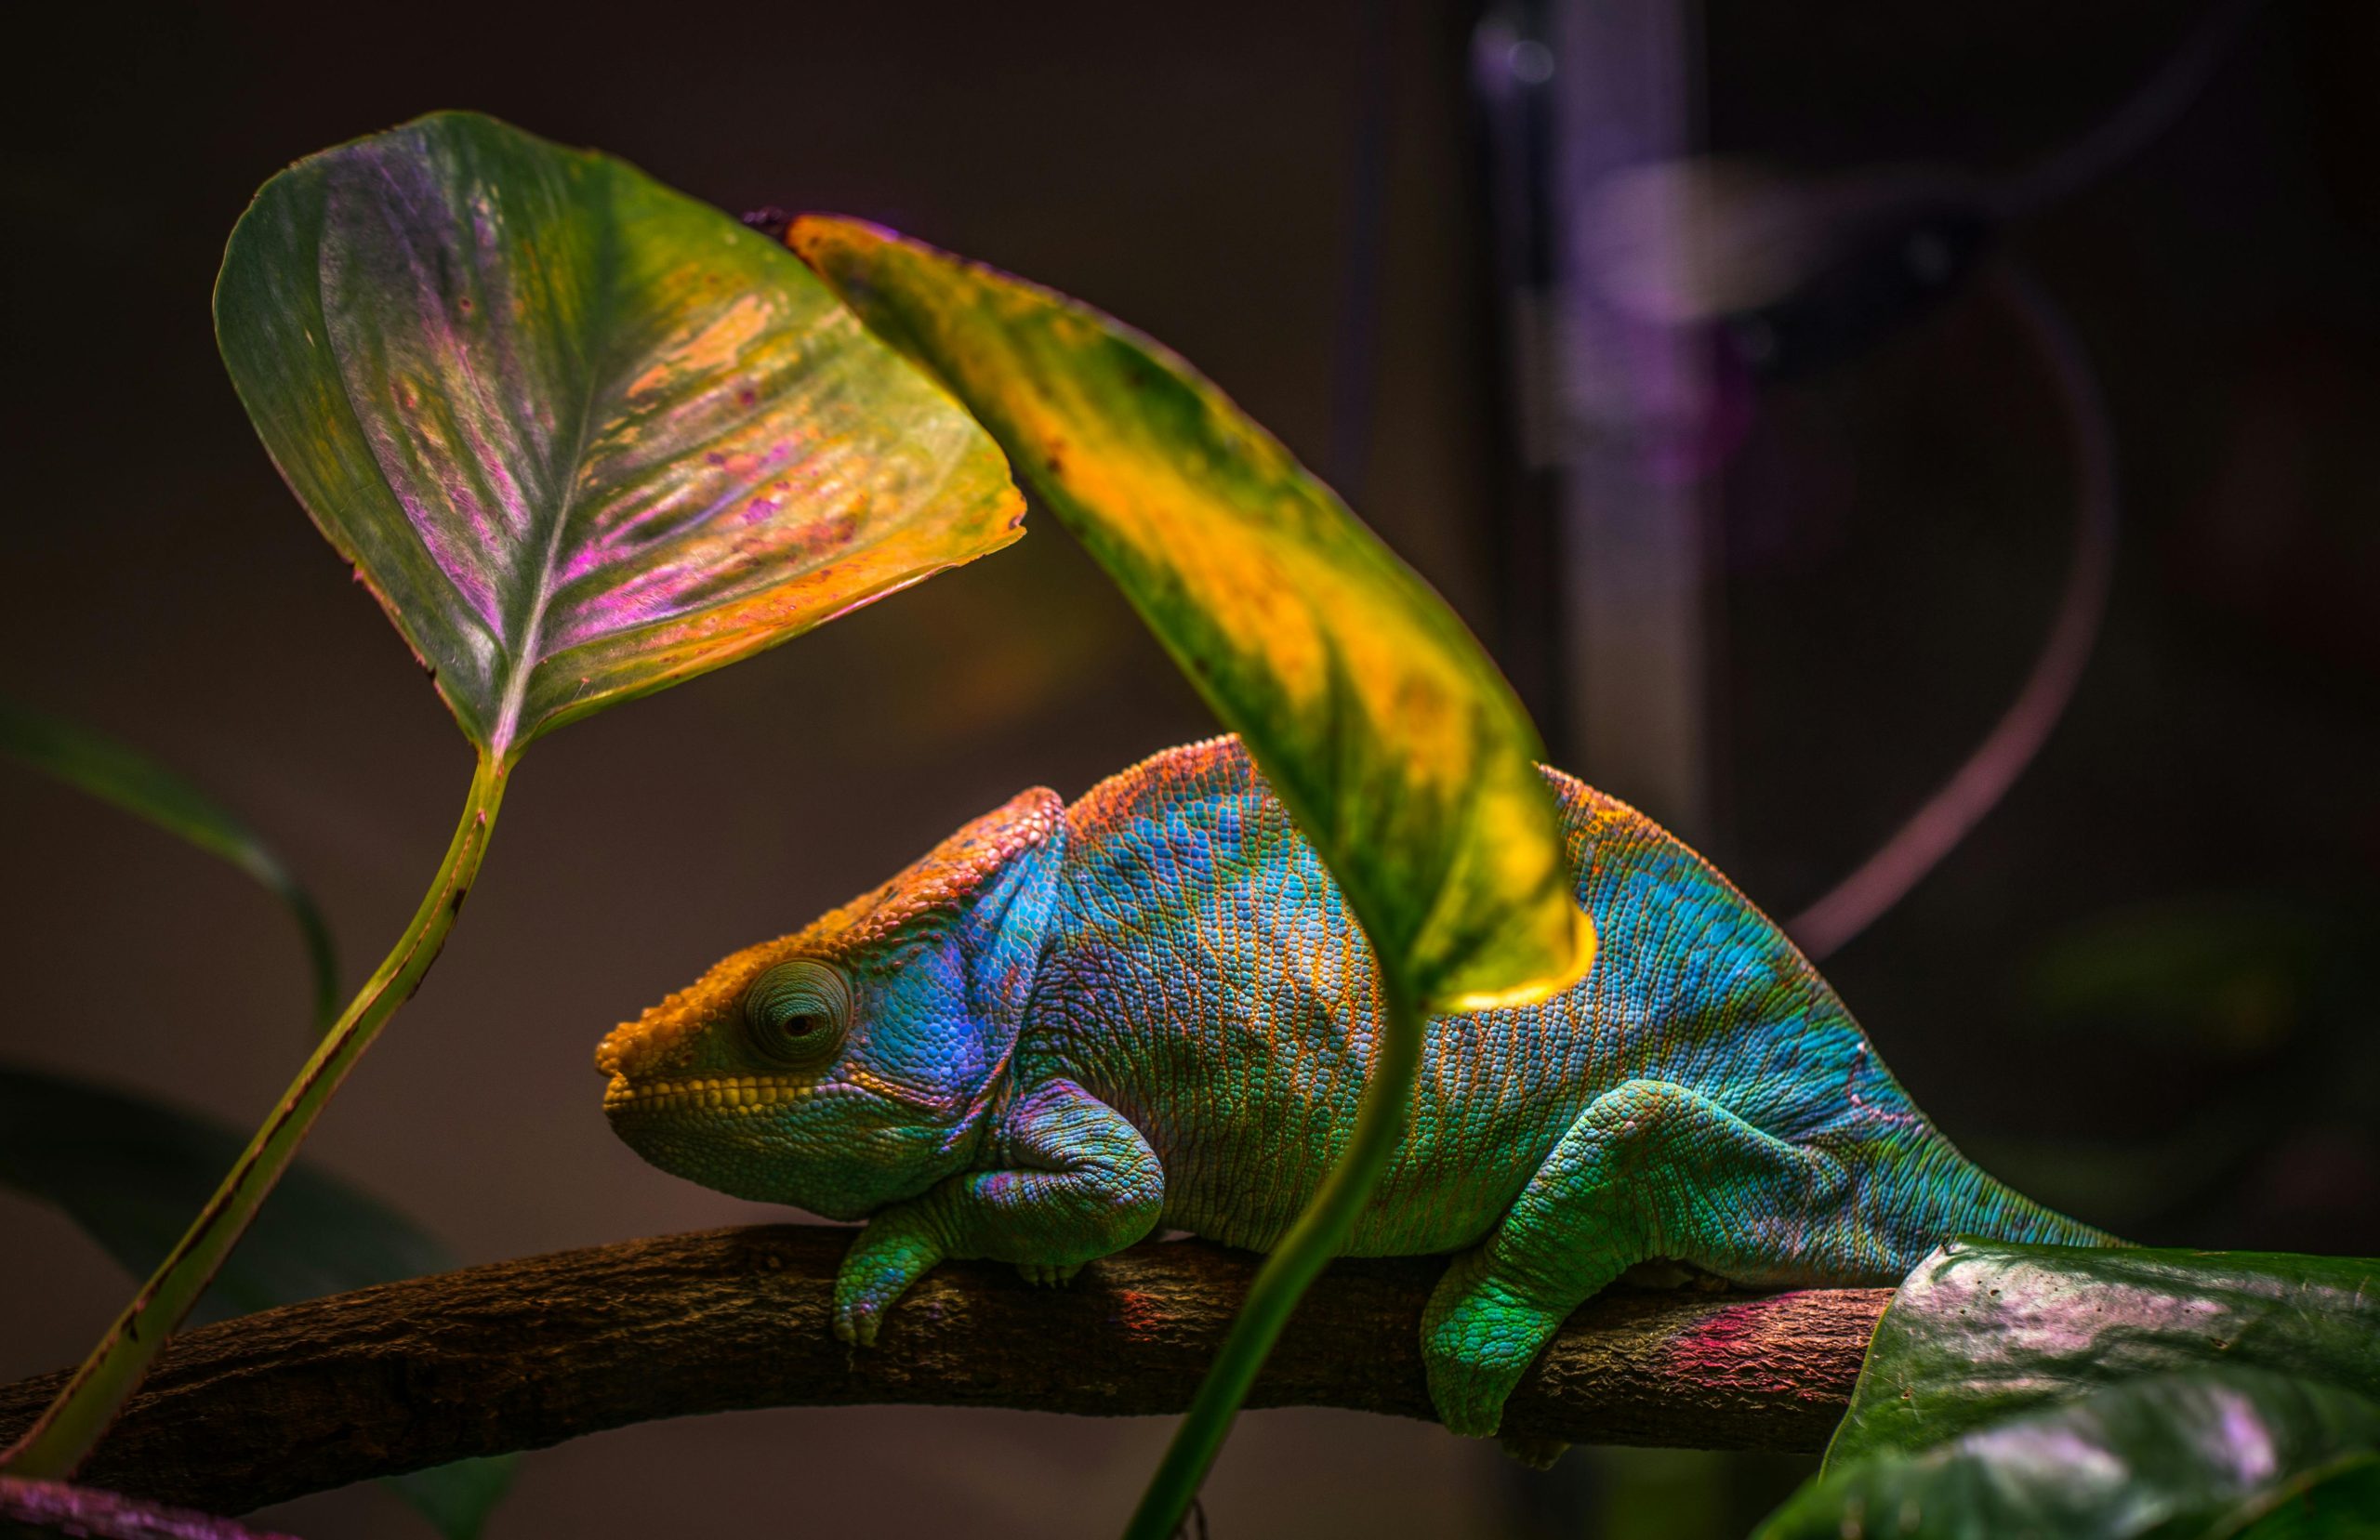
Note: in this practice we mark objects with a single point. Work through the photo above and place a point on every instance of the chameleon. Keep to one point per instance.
(1067, 1026)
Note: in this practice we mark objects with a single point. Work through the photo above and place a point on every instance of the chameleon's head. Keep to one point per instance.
(849, 1065)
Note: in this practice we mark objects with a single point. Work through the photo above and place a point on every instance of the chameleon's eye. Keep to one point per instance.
(796, 1013)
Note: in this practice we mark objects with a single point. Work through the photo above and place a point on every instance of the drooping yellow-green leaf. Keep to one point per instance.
(583, 436)
(1374, 714)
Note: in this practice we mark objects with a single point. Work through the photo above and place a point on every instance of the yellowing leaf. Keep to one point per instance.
(1375, 715)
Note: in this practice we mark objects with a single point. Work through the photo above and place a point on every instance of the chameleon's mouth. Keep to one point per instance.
(734, 1094)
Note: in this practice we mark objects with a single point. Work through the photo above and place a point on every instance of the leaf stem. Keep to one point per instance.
(1312, 1242)
(63, 1435)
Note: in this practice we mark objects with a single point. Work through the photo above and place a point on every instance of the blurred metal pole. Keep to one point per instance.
(1604, 545)
(1611, 401)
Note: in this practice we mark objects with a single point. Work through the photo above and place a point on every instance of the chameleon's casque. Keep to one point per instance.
(1068, 1026)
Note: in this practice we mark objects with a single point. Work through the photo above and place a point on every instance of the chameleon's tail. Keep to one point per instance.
(1953, 1196)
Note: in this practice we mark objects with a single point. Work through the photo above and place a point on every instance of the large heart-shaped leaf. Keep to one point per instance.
(1985, 1330)
(1374, 714)
(131, 1172)
(583, 436)
(2196, 1456)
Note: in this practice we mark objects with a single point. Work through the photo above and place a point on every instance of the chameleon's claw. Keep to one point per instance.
(1048, 1275)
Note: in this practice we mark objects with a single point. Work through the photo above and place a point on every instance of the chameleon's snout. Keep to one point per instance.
(663, 1041)
(616, 1053)
(611, 1066)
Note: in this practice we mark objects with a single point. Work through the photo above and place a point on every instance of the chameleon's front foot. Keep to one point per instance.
(1048, 1275)
(894, 1252)
(1478, 1336)
(1091, 1186)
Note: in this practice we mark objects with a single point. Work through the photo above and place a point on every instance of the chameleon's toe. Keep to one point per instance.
(1048, 1275)
(857, 1322)
(1477, 1339)
(861, 1299)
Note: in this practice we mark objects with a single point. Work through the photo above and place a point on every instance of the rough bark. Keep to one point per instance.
(523, 1354)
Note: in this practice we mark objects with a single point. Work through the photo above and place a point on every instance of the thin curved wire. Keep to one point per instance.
(1887, 876)
(2137, 122)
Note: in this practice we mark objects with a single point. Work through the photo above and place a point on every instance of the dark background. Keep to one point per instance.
(2141, 991)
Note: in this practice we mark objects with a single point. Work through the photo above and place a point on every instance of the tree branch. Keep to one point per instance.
(523, 1354)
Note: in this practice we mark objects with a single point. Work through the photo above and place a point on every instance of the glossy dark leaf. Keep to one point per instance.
(1982, 1330)
(115, 772)
(131, 1172)
(584, 436)
(2195, 1457)
(1374, 713)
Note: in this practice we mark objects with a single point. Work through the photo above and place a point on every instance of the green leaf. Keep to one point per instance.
(583, 436)
(1374, 714)
(115, 773)
(2203, 1455)
(1983, 1330)
(131, 1172)
(456, 1497)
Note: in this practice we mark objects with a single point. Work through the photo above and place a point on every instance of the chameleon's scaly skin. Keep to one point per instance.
(1069, 1026)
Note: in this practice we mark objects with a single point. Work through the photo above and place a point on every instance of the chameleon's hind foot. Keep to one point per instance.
(1478, 1336)
(1650, 1168)
(1048, 1275)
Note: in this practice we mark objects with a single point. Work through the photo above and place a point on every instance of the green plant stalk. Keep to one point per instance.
(1281, 1282)
(68, 1428)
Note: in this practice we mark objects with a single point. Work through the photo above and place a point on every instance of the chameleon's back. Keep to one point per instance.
(1206, 979)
